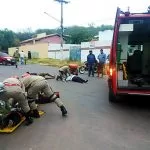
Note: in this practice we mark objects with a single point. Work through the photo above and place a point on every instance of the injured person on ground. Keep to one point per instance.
(76, 78)
(45, 75)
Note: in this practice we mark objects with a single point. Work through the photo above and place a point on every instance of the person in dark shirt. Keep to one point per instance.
(91, 60)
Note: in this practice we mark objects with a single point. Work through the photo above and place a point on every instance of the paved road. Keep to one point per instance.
(92, 124)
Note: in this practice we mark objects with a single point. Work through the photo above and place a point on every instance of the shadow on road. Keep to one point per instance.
(134, 102)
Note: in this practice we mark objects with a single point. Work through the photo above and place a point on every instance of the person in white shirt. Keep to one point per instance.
(22, 57)
(76, 79)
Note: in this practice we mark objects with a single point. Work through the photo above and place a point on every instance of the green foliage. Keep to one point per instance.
(76, 35)
(6, 39)
(47, 31)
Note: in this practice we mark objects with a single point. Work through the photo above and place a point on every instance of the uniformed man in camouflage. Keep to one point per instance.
(15, 89)
(16, 55)
(63, 73)
(35, 84)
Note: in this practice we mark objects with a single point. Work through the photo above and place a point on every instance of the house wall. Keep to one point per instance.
(53, 39)
(39, 50)
(46, 50)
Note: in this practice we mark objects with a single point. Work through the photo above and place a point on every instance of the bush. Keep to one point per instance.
(52, 62)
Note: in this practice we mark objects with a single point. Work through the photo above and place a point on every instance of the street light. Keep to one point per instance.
(61, 23)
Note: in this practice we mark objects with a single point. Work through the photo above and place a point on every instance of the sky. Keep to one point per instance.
(19, 15)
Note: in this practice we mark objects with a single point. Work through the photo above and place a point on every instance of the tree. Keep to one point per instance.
(7, 39)
(77, 34)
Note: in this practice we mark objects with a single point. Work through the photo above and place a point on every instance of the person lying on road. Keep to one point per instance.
(76, 78)
(45, 75)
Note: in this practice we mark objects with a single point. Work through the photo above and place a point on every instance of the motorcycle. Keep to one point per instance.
(84, 68)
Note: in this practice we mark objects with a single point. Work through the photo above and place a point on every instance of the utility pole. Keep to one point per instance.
(61, 24)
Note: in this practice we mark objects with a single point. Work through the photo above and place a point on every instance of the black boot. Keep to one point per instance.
(63, 110)
(57, 77)
(29, 119)
(4, 123)
(35, 114)
(85, 81)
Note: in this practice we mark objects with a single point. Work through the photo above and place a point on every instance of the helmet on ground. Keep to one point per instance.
(25, 75)
(17, 77)
(2, 87)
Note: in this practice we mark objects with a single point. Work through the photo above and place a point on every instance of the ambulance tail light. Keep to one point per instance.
(110, 71)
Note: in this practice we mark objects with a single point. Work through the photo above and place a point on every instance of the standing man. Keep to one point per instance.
(16, 55)
(91, 60)
(22, 57)
(102, 60)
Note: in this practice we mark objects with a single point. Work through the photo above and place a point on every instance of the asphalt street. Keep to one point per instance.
(92, 122)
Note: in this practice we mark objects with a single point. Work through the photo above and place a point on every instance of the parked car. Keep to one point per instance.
(5, 59)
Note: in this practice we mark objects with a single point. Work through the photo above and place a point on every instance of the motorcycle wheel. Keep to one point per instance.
(82, 70)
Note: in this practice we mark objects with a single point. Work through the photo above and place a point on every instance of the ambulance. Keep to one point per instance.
(129, 65)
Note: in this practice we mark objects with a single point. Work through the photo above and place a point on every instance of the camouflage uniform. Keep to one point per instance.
(16, 56)
(35, 84)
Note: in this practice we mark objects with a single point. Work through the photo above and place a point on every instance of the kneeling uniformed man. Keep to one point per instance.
(63, 71)
(15, 89)
(35, 84)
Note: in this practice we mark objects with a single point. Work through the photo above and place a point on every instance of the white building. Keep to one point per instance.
(104, 42)
(106, 35)
(54, 51)
(95, 46)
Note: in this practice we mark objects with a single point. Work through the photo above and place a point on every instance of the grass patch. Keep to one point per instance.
(52, 62)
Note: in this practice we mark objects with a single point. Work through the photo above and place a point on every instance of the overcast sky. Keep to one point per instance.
(17, 15)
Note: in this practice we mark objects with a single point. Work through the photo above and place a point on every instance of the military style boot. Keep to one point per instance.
(63, 110)
(35, 113)
(29, 119)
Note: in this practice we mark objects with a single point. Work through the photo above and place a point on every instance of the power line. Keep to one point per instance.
(52, 17)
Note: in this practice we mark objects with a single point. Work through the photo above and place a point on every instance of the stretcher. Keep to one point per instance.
(11, 129)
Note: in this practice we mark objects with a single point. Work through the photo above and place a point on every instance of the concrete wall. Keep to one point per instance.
(54, 50)
(46, 50)
(95, 47)
(40, 48)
